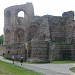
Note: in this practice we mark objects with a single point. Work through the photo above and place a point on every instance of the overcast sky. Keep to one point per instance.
(41, 7)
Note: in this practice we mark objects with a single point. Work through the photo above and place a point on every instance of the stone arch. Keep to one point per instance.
(21, 14)
(19, 35)
(7, 37)
(20, 10)
(20, 19)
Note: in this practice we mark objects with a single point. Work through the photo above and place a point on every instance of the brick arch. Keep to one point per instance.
(19, 35)
(7, 36)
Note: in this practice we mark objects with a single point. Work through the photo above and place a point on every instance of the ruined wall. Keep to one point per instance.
(2, 50)
(38, 38)
(16, 28)
(56, 28)
(40, 51)
(69, 24)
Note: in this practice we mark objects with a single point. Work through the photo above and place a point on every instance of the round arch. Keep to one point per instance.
(19, 35)
(21, 14)
(19, 10)
(20, 19)
(32, 30)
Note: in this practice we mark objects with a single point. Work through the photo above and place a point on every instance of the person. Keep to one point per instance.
(13, 59)
(21, 60)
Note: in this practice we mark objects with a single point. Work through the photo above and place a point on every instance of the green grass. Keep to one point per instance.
(62, 62)
(54, 62)
(11, 69)
(72, 69)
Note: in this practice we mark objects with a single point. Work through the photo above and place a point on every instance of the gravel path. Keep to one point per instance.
(46, 69)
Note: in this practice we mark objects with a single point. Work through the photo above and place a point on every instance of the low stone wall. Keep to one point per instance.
(39, 51)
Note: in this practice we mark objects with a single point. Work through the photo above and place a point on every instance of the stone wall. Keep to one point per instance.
(13, 23)
(38, 38)
(16, 50)
(39, 51)
(2, 50)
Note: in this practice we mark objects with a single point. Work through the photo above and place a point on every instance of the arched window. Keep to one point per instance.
(20, 17)
(21, 14)
(19, 36)
(32, 32)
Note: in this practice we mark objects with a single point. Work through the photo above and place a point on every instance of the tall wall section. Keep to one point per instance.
(13, 23)
(16, 28)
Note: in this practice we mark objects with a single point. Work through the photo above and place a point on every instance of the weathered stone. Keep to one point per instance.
(38, 38)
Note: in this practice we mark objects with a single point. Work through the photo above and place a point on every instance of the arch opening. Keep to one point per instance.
(19, 36)
(32, 32)
(21, 14)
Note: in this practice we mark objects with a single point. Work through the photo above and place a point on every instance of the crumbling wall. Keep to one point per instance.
(12, 22)
(16, 28)
(36, 37)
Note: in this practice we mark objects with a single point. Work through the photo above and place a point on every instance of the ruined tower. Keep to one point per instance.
(15, 28)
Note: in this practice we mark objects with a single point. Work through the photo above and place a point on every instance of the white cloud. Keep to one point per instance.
(41, 7)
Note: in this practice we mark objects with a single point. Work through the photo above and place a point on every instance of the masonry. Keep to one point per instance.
(38, 38)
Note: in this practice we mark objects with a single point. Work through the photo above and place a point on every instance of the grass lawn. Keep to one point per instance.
(62, 62)
(10, 69)
(72, 69)
(54, 62)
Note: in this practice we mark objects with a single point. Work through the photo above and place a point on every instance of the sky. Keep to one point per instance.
(41, 7)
